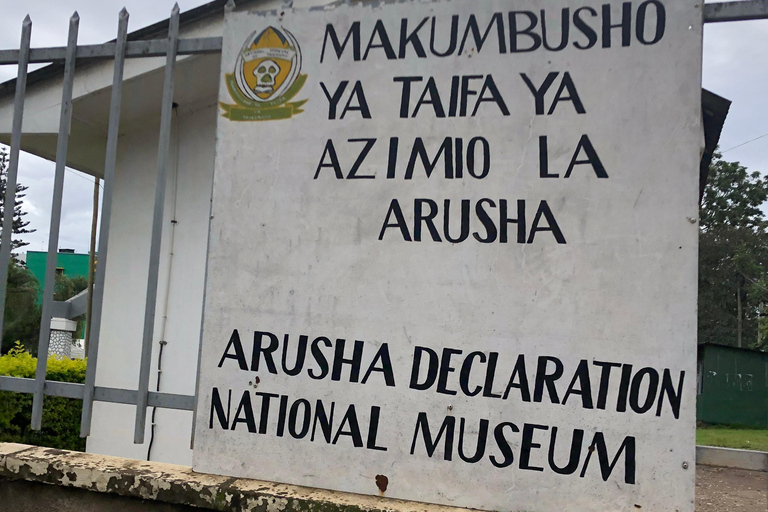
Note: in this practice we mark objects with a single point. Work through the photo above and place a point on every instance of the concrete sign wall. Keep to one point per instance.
(453, 253)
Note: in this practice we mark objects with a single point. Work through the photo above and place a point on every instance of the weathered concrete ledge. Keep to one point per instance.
(179, 485)
(730, 458)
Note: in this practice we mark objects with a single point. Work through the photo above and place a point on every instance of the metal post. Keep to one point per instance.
(106, 214)
(92, 261)
(133, 49)
(157, 228)
(13, 165)
(65, 120)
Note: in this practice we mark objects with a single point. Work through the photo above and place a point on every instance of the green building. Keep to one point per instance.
(732, 386)
(69, 263)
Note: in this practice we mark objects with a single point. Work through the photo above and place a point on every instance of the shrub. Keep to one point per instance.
(61, 416)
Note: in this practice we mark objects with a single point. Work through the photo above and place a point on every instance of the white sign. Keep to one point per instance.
(453, 253)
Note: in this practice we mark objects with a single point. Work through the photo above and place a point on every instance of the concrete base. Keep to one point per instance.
(23, 496)
(34, 479)
(730, 458)
(83, 481)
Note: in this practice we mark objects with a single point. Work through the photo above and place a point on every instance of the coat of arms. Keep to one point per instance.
(266, 77)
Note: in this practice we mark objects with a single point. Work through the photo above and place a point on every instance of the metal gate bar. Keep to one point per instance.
(106, 217)
(157, 227)
(13, 165)
(65, 119)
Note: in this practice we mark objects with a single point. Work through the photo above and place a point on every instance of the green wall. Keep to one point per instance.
(732, 386)
(73, 264)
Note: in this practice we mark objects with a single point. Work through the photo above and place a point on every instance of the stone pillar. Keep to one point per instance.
(61, 337)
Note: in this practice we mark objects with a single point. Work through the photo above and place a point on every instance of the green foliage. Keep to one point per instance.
(733, 197)
(61, 416)
(19, 224)
(22, 313)
(67, 287)
(733, 256)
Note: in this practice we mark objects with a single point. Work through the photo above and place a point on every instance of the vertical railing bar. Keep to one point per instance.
(13, 164)
(157, 228)
(53, 236)
(110, 165)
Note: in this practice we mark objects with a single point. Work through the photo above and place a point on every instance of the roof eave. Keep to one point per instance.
(153, 31)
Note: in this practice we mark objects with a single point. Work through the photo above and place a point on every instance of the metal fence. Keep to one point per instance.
(119, 50)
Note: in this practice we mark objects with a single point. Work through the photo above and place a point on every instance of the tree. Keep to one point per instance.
(67, 287)
(22, 313)
(19, 224)
(733, 256)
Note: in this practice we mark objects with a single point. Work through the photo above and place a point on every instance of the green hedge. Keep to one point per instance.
(61, 416)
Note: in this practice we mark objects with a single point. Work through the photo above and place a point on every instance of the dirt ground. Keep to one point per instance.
(730, 490)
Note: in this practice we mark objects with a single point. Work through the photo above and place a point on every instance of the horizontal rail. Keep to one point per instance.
(52, 388)
(155, 399)
(100, 393)
(70, 308)
(133, 49)
(736, 11)
(713, 13)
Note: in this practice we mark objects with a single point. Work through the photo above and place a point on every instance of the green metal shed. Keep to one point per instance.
(732, 386)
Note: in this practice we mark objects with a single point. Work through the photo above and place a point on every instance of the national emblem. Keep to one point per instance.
(266, 77)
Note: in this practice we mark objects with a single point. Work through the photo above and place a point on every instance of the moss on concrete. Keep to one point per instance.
(167, 483)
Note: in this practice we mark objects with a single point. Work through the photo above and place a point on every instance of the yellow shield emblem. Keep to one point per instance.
(266, 77)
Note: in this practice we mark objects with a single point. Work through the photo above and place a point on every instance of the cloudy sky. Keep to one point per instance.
(735, 66)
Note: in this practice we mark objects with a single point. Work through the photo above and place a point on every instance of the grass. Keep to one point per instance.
(732, 437)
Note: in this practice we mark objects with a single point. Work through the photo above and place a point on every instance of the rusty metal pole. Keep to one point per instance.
(91, 264)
